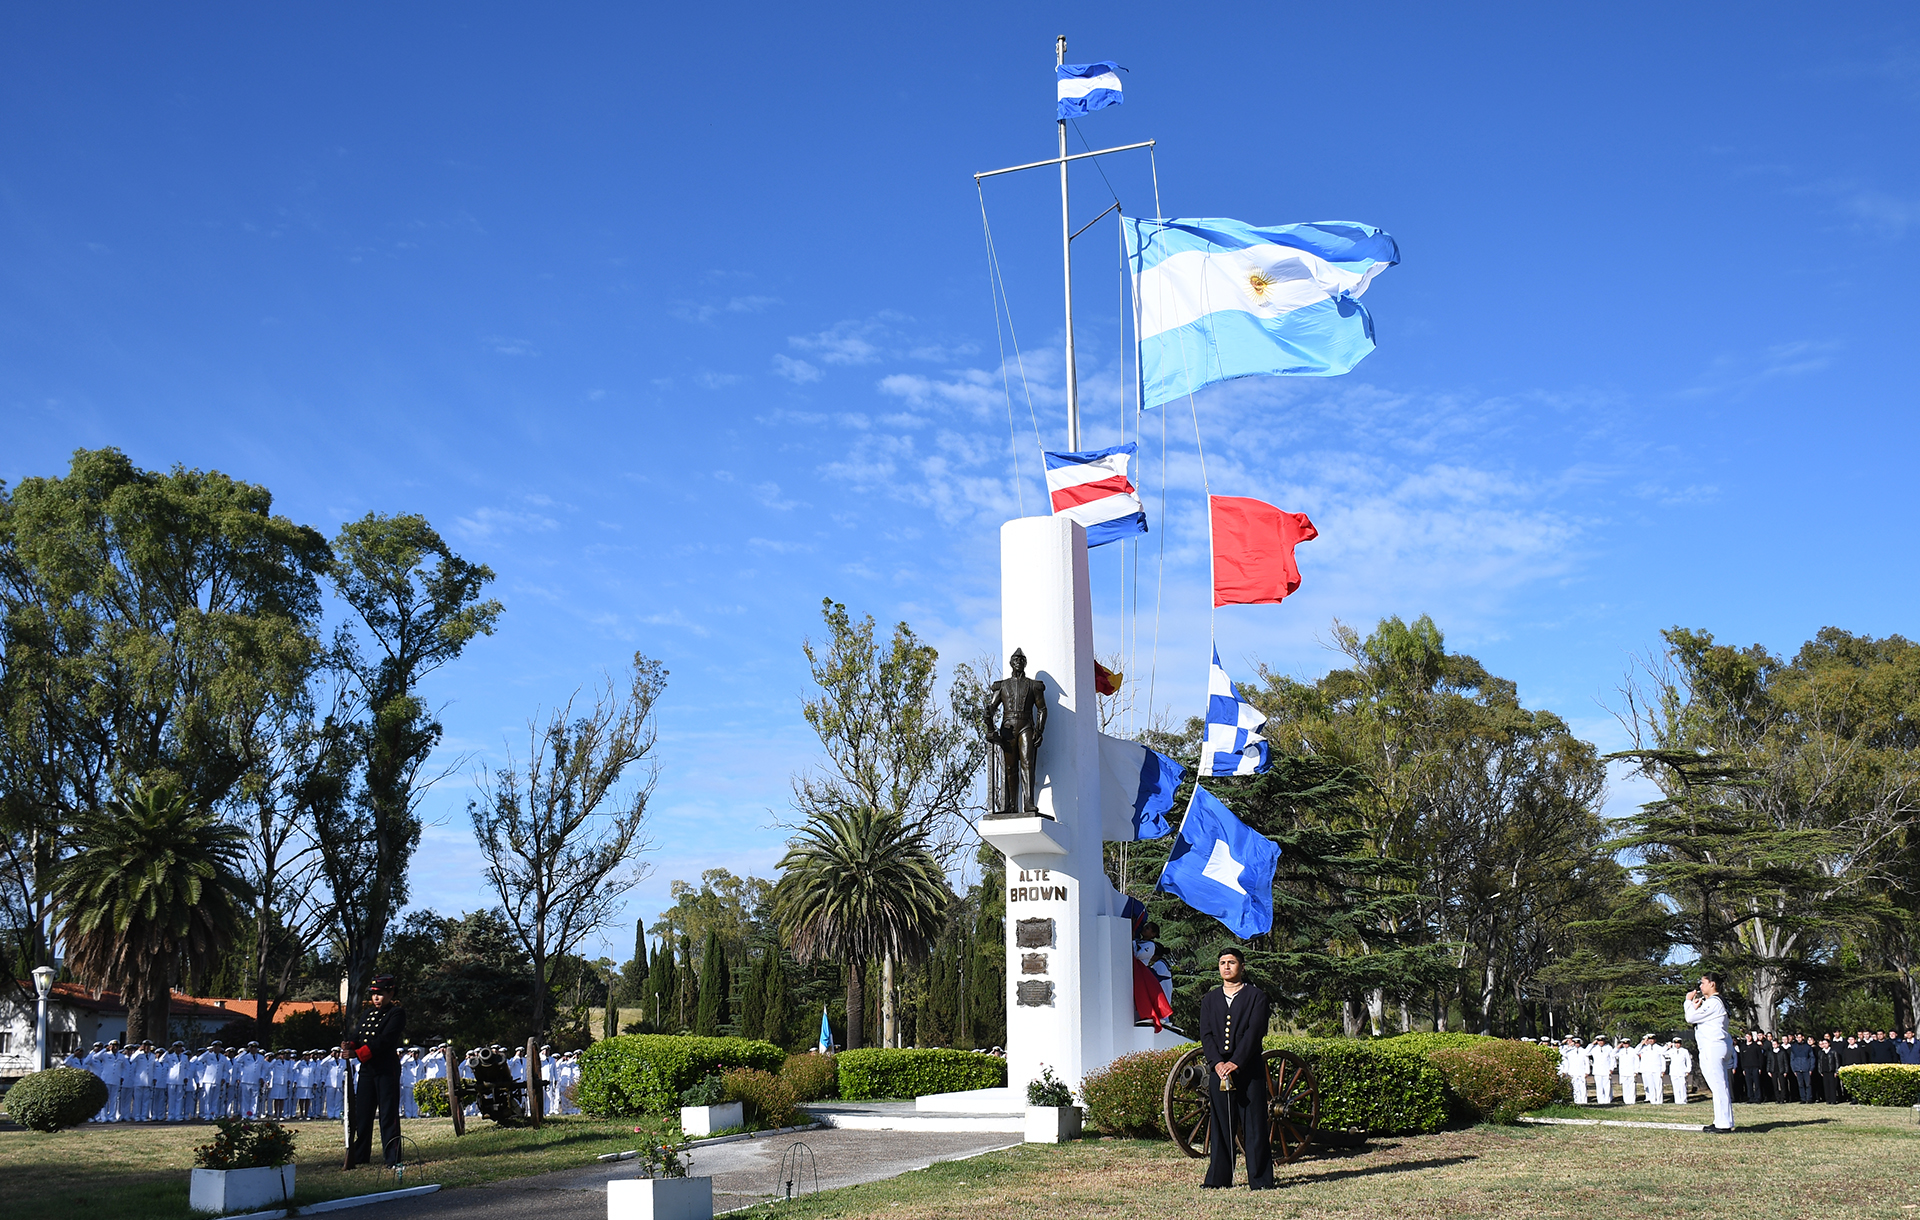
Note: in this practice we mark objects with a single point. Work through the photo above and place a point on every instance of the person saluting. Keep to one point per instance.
(376, 1044)
(1233, 1021)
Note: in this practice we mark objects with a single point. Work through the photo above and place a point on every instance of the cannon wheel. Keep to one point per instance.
(1293, 1104)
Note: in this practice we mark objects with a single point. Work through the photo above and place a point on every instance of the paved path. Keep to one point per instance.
(743, 1173)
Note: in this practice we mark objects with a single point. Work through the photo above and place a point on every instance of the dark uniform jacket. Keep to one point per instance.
(1826, 1062)
(1752, 1057)
(376, 1038)
(1800, 1055)
(1881, 1051)
(1850, 1055)
(1234, 1032)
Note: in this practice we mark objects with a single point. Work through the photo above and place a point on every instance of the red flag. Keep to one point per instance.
(1149, 1001)
(1253, 550)
(1105, 681)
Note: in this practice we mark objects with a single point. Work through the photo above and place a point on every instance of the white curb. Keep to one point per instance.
(334, 1205)
(1610, 1122)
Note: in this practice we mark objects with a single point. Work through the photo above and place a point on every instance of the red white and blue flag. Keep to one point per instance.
(1093, 489)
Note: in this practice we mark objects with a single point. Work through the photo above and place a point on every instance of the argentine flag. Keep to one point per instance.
(1222, 867)
(1233, 744)
(1218, 299)
(1085, 88)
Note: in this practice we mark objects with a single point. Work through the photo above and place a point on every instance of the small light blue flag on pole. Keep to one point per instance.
(1221, 867)
(1085, 88)
(1220, 299)
(1233, 744)
(826, 1033)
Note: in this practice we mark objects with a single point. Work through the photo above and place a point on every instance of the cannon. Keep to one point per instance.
(497, 1094)
(1293, 1106)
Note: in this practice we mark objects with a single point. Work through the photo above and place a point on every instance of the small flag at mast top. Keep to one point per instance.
(1093, 489)
(1085, 88)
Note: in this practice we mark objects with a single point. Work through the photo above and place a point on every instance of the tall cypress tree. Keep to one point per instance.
(686, 991)
(777, 1025)
(711, 1011)
(753, 997)
(656, 997)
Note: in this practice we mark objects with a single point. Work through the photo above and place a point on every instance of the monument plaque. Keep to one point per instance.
(1033, 933)
(1033, 993)
(1033, 963)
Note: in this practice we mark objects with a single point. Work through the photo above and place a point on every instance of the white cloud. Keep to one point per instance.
(797, 371)
(506, 346)
(490, 522)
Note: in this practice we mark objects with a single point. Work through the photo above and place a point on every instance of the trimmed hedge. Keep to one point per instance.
(58, 1097)
(1372, 1086)
(1363, 1085)
(812, 1077)
(1124, 1097)
(1499, 1080)
(873, 1072)
(431, 1096)
(645, 1073)
(1426, 1043)
(1872, 1084)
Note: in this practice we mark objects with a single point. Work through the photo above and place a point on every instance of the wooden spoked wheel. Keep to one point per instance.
(1293, 1104)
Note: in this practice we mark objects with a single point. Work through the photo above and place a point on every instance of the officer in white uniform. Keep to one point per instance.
(1707, 1013)
(173, 1067)
(1653, 1069)
(409, 1077)
(249, 1073)
(1573, 1065)
(1679, 1063)
(1629, 1060)
(1604, 1060)
(207, 1069)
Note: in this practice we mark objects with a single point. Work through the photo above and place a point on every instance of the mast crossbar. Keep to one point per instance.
(1011, 169)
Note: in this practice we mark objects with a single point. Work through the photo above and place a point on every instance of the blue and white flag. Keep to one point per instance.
(1233, 744)
(1220, 867)
(826, 1033)
(1093, 489)
(1136, 790)
(1085, 88)
(1218, 299)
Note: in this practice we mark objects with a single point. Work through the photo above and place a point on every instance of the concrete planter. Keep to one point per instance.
(239, 1190)
(705, 1120)
(1052, 1124)
(661, 1198)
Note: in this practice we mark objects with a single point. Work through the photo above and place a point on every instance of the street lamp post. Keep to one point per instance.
(43, 984)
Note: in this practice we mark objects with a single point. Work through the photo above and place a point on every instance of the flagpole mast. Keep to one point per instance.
(1066, 265)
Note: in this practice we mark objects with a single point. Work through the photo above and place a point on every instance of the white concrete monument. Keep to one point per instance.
(1069, 948)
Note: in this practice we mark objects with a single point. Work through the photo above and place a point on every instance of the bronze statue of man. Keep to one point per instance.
(1016, 716)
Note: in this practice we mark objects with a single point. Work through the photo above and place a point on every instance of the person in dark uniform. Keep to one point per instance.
(376, 1044)
(1780, 1067)
(1826, 1065)
(1753, 1061)
(1233, 1020)
(1800, 1054)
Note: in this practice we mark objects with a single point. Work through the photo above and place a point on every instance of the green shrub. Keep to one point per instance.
(766, 1098)
(58, 1097)
(875, 1072)
(709, 1090)
(431, 1096)
(1872, 1084)
(1426, 1043)
(1372, 1086)
(1048, 1090)
(645, 1073)
(811, 1077)
(246, 1143)
(1498, 1080)
(1125, 1097)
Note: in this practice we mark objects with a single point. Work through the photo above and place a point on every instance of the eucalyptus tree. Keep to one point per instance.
(415, 606)
(561, 829)
(860, 885)
(151, 897)
(150, 625)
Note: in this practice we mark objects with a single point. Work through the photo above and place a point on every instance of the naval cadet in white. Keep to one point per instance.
(1679, 1063)
(1604, 1060)
(1707, 1013)
(1653, 1069)
(1574, 1065)
(1629, 1060)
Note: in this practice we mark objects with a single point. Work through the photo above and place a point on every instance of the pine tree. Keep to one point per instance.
(686, 991)
(657, 996)
(710, 1013)
(987, 975)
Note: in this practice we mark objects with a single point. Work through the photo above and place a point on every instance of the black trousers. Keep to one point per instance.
(1806, 1085)
(1830, 1081)
(1783, 1089)
(1242, 1111)
(375, 1094)
(1753, 1076)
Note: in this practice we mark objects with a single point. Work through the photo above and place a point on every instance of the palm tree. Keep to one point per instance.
(859, 884)
(152, 896)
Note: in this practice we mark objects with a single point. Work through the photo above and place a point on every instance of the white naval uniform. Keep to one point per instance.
(1629, 1065)
(409, 1077)
(1679, 1063)
(249, 1068)
(208, 1068)
(1574, 1065)
(174, 1065)
(1708, 1016)
(1653, 1070)
(1604, 1059)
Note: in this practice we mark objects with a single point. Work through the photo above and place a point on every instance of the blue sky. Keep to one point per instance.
(680, 320)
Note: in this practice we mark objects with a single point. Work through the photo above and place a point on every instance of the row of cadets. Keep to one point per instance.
(1649, 1062)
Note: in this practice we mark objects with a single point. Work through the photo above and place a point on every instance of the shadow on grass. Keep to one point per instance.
(1780, 1123)
(1439, 1162)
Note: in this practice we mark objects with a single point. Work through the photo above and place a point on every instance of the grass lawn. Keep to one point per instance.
(136, 1172)
(1790, 1163)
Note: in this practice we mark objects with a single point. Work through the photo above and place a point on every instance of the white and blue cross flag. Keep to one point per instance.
(1218, 299)
(1085, 88)
(1233, 744)
(1222, 867)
